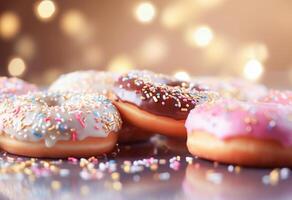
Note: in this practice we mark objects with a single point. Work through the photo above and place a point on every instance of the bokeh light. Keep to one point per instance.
(177, 13)
(16, 66)
(257, 50)
(25, 47)
(182, 75)
(121, 63)
(196, 35)
(209, 3)
(92, 55)
(200, 36)
(74, 24)
(145, 12)
(217, 52)
(153, 50)
(9, 25)
(45, 10)
(253, 70)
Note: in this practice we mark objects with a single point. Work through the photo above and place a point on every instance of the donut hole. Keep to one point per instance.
(52, 103)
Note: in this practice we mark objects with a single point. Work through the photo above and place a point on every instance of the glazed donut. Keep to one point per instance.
(149, 76)
(14, 86)
(244, 133)
(58, 125)
(230, 87)
(89, 81)
(154, 106)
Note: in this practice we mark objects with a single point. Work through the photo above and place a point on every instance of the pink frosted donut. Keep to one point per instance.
(279, 97)
(231, 87)
(14, 86)
(246, 133)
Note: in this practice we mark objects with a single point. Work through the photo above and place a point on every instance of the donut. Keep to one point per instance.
(88, 81)
(58, 125)
(244, 133)
(156, 106)
(150, 76)
(14, 86)
(278, 97)
(230, 87)
(132, 134)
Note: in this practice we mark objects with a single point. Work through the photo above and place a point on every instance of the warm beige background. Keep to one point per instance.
(104, 34)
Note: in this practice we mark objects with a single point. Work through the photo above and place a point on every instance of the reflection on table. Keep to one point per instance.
(160, 169)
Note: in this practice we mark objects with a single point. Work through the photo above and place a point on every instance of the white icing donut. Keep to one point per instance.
(84, 81)
(14, 86)
(58, 116)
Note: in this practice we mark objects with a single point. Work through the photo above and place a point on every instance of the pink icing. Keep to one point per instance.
(226, 118)
(232, 87)
(277, 96)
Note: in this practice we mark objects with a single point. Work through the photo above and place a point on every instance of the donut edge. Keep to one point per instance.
(150, 122)
(91, 146)
(245, 151)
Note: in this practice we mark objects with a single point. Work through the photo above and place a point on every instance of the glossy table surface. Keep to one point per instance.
(160, 169)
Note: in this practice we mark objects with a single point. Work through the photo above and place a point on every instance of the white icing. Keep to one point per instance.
(84, 81)
(58, 116)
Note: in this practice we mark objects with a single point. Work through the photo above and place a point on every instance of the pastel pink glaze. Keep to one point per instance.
(14, 86)
(277, 96)
(227, 118)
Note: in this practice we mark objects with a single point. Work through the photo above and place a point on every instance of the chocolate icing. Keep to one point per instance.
(163, 97)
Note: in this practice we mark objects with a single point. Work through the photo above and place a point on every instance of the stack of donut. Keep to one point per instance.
(87, 113)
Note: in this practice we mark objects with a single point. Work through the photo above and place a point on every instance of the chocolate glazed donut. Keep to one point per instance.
(156, 103)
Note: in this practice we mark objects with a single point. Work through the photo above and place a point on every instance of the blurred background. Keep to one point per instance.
(39, 40)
